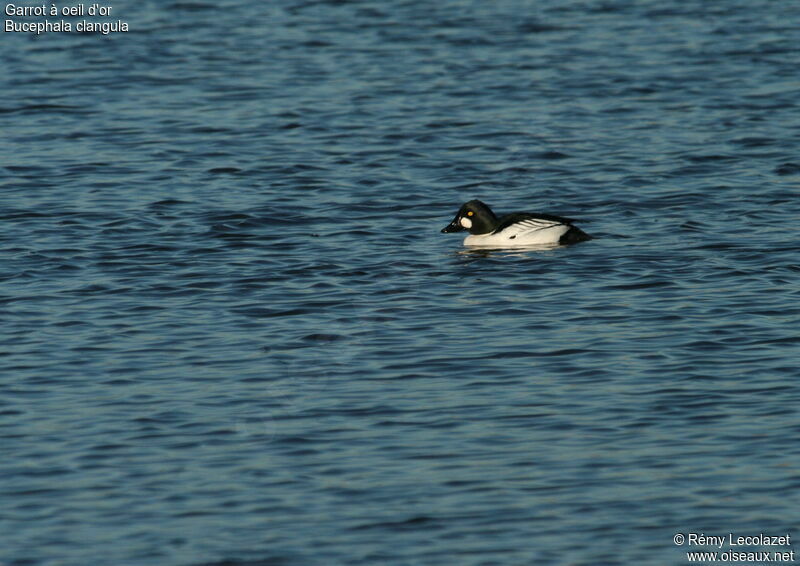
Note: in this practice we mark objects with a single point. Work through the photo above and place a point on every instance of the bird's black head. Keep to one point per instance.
(473, 216)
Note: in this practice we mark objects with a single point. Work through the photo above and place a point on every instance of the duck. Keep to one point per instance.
(518, 229)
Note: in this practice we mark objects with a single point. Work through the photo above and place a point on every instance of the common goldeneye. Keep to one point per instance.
(517, 229)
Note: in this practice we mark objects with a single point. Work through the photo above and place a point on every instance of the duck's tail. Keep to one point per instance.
(573, 236)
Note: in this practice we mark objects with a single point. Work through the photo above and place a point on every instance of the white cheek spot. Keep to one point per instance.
(466, 222)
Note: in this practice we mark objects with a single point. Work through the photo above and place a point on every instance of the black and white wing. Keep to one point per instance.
(523, 223)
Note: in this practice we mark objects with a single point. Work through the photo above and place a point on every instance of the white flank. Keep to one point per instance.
(532, 232)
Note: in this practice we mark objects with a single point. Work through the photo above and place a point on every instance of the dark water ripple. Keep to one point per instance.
(232, 333)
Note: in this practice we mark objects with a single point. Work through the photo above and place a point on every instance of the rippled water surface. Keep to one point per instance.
(233, 334)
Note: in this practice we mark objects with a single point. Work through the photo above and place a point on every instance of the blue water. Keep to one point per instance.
(233, 334)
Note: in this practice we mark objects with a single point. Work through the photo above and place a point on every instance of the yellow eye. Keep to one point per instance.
(470, 213)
